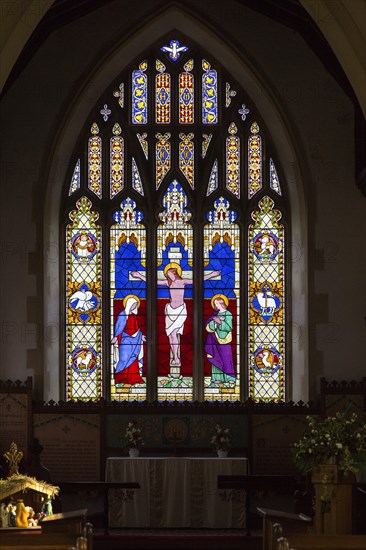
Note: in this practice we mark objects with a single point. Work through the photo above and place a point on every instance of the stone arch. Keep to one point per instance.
(279, 128)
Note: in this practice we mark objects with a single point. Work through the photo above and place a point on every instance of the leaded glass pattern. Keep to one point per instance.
(243, 111)
(116, 161)
(196, 169)
(221, 304)
(139, 95)
(213, 182)
(274, 182)
(233, 161)
(120, 95)
(162, 94)
(105, 112)
(83, 304)
(75, 180)
(174, 50)
(95, 161)
(186, 157)
(206, 140)
(186, 94)
(266, 304)
(229, 94)
(144, 144)
(175, 296)
(136, 179)
(209, 94)
(162, 157)
(254, 161)
(128, 303)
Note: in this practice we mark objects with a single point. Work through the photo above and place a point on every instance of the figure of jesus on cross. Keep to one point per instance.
(175, 309)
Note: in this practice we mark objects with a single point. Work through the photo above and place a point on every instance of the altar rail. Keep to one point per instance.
(282, 530)
(55, 532)
(92, 490)
(252, 484)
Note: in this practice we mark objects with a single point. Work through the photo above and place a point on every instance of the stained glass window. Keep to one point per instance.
(128, 303)
(139, 95)
(174, 50)
(274, 182)
(163, 157)
(222, 303)
(105, 112)
(95, 162)
(186, 94)
(162, 94)
(117, 160)
(229, 94)
(205, 143)
(266, 304)
(75, 180)
(168, 307)
(83, 303)
(186, 157)
(144, 143)
(254, 161)
(120, 95)
(233, 161)
(213, 182)
(136, 179)
(174, 296)
(209, 94)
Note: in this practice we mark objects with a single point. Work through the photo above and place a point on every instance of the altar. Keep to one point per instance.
(175, 492)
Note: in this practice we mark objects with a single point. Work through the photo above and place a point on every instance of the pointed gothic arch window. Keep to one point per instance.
(175, 238)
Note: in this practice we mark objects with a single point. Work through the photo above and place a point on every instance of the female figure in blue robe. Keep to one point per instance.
(129, 339)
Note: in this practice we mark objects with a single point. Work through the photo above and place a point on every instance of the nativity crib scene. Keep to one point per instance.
(25, 500)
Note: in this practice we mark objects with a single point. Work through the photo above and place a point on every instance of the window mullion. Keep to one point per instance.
(151, 325)
(198, 350)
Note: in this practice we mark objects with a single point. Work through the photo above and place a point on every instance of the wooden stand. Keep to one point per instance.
(55, 532)
(294, 523)
(251, 484)
(333, 500)
(67, 522)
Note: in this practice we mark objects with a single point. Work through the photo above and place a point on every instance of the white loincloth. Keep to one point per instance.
(175, 318)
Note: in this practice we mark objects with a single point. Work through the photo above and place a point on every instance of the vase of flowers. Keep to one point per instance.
(220, 441)
(134, 452)
(133, 439)
(338, 440)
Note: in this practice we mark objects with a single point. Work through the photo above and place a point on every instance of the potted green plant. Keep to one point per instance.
(339, 439)
(333, 449)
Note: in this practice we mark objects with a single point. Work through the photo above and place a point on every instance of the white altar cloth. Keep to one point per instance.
(175, 492)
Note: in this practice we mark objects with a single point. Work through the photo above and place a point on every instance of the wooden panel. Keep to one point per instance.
(15, 415)
(272, 437)
(35, 541)
(71, 445)
(343, 396)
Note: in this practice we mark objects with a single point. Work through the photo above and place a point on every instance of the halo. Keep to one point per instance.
(173, 265)
(222, 296)
(131, 296)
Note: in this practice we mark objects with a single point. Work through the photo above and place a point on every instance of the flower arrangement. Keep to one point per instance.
(220, 439)
(133, 435)
(340, 439)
